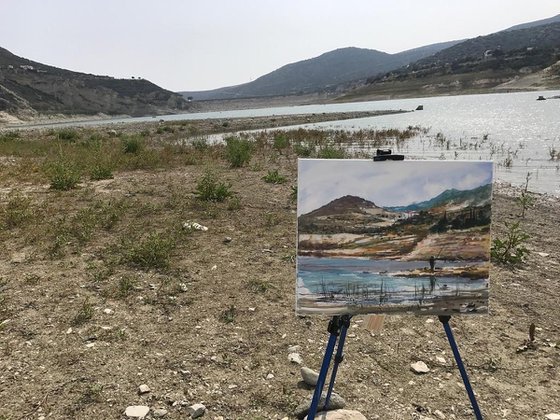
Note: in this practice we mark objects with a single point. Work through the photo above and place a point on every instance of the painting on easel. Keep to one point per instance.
(393, 237)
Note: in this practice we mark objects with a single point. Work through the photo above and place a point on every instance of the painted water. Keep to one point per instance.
(332, 285)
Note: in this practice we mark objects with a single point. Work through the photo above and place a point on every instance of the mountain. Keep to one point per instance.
(325, 73)
(28, 88)
(491, 61)
(553, 19)
(452, 198)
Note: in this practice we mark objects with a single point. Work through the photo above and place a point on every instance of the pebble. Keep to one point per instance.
(340, 415)
(419, 367)
(552, 416)
(108, 311)
(227, 240)
(309, 376)
(139, 411)
(270, 376)
(143, 389)
(160, 412)
(295, 358)
(441, 360)
(196, 410)
(336, 402)
(439, 415)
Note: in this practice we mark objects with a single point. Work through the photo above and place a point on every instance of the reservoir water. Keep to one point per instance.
(520, 134)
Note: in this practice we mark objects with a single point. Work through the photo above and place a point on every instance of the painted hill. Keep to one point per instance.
(480, 196)
(28, 88)
(325, 73)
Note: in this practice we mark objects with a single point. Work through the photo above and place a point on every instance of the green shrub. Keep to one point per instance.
(210, 188)
(125, 286)
(16, 212)
(330, 152)
(101, 170)
(85, 313)
(238, 151)
(303, 150)
(63, 175)
(281, 142)
(132, 144)
(67, 134)
(151, 252)
(510, 250)
(228, 315)
(200, 144)
(9, 136)
(273, 177)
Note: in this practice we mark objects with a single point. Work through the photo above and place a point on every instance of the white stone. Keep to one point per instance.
(295, 358)
(139, 411)
(552, 416)
(270, 376)
(441, 360)
(419, 367)
(143, 389)
(340, 415)
(309, 376)
(196, 410)
(160, 412)
(439, 415)
(107, 311)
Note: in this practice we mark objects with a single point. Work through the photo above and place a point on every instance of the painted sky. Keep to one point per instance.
(385, 183)
(197, 45)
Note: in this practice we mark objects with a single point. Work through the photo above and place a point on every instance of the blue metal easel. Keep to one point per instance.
(338, 326)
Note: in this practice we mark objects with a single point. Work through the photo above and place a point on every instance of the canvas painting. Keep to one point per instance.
(393, 237)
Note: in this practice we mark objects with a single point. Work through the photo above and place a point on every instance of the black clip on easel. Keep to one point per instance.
(385, 154)
(338, 326)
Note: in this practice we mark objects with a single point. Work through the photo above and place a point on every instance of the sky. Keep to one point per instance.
(189, 45)
(384, 183)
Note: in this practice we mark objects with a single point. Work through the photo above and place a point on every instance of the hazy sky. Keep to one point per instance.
(206, 44)
(384, 183)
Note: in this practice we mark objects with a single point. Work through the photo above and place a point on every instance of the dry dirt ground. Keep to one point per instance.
(83, 323)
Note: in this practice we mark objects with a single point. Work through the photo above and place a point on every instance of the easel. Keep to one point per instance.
(338, 327)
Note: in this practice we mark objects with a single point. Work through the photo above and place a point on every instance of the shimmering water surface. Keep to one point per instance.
(514, 130)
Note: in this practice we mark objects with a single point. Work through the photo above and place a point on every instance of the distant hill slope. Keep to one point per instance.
(326, 72)
(475, 64)
(553, 19)
(28, 87)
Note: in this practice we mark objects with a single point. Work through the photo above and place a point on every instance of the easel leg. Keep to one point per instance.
(334, 329)
(345, 323)
(444, 319)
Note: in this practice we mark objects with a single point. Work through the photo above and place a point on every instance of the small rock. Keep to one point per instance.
(196, 410)
(295, 358)
(18, 257)
(108, 311)
(227, 240)
(336, 402)
(309, 376)
(69, 330)
(552, 416)
(340, 415)
(439, 415)
(270, 376)
(543, 254)
(419, 367)
(143, 389)
(441, 360)
(160, 412)
(139, 411)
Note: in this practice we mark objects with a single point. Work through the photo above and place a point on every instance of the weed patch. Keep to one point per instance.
(238, 151)
(273, 177)
(210, 188)
(153, 252)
